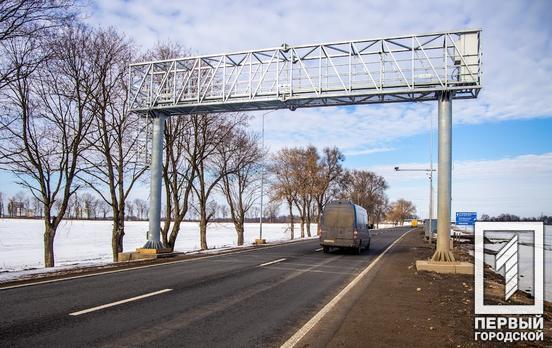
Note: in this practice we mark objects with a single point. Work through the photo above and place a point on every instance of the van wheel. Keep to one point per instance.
(368, 246)
(359, 249)
(325, 249)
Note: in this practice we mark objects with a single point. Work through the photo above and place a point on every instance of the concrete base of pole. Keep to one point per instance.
(145, 254)
(260, 241)
(153, 251)
(445, 267)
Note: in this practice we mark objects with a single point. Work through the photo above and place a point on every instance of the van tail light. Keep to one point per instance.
(355, 233)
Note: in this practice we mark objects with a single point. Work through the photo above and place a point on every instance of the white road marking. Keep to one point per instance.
(148, 266)
(319, 249)
(136, 298)
(293, 340)
(271, 262)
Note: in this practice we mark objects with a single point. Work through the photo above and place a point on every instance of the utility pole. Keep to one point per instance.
(429, 171)
(430, 226)
(261, 240)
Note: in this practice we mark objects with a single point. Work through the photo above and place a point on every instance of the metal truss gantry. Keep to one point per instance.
(396, 69)
(413, 68)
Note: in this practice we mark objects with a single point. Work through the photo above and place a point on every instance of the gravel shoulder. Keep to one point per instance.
(396, 306)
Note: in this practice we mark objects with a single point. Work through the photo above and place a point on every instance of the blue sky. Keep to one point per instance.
(471, 142)
(502, 145)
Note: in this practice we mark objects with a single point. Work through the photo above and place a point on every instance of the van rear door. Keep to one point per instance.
(338, 223)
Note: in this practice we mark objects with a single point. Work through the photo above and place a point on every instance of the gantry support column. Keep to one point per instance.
(444, 172)
(156, 168)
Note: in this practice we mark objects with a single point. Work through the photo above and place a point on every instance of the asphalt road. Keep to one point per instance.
(235, 300)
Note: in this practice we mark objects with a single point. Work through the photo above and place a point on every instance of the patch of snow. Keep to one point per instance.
(81, 243)
(88, 243)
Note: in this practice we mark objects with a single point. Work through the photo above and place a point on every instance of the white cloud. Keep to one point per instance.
(519, 185)
(517, 61)
(368, 151)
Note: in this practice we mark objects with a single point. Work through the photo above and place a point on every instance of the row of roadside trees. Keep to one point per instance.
(64, 128)
(305, 180)
(65, 133)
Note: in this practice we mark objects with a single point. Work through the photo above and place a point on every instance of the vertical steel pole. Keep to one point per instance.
(154, 240)
(262, 182)
(430, 229)
(444, 175)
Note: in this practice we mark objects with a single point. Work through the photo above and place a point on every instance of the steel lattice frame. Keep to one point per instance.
(395, 69)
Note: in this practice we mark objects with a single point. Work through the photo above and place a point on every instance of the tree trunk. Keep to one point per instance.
(308, 222)
(239, 231)
(203, 229)
(49, 235)
(117, 236)
(318, 216)
(292, 226)
(174, 233)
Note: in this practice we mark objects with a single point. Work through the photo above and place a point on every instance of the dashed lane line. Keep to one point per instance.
(136, 298)
(271, 262)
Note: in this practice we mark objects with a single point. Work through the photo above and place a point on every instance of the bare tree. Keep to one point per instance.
(381, 210)
(141, 208)
(306, 178)
(89, 205)
(112, 165)
(49, 119)
(130, 210)
(78, 209)
(21, 204)
(253, 213)
(366, 189)
(213, 131)
(401, 210)
(224, 211)
(179, 172)
(271, 210)
(283, 186)
(239, 157)
(330, 171)
(38, 207)
(103, 208)
(22, 20)
(12, 207)
(301, 173)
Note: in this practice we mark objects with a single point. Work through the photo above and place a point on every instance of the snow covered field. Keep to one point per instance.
(89, 242)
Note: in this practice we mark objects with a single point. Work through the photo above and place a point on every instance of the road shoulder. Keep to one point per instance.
(396, 306)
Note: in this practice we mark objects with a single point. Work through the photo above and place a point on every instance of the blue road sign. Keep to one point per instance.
(466, 218)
